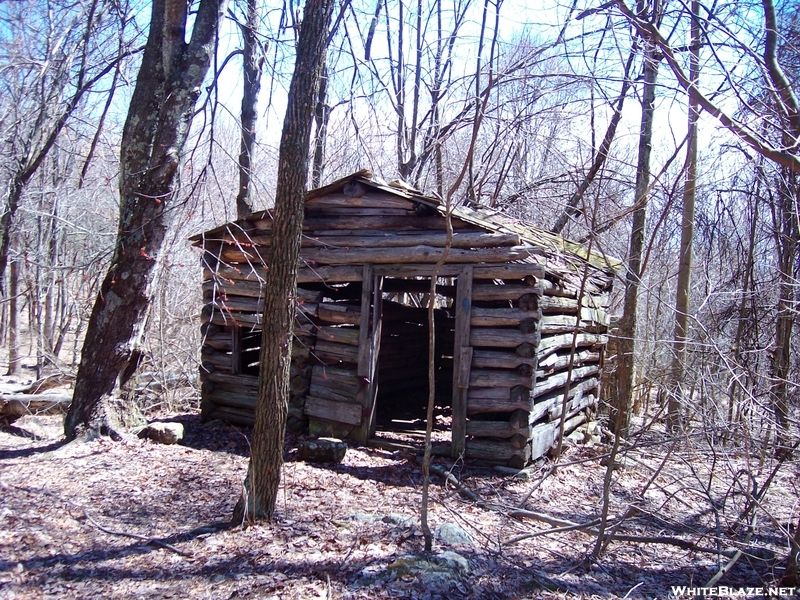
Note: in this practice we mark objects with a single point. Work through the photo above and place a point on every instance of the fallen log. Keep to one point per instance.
(15, 406)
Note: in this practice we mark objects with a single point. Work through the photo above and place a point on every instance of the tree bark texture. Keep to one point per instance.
(675, 400)
(252, 65)
(788, 230)
(787, 239)
(159, 117)
(263, 477)
(621, 398)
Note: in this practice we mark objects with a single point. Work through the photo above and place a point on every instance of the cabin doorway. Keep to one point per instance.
(403, 357)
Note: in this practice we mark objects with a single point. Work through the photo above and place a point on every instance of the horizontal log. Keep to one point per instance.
(339, 313)
(544, 404)
(210, 367)
(498, 452)
(338, 212)
(13, 406)
(550, 344)
(498, 378)
(551, 382)
(501, 317)
(412, 254)
(222, 397)
(240, 379)
(308, 273)
(533, 271)
(341, 412)
(234, 286)
(551, 305)
(231, 415)
(517, 436)
(571, 424)
(370, 199)
(343, 381)
(511, 292)
(558, 289)
(219, 341)
(215, 357)
(461, 240)
(339, 335)
(320, 390)
(556, 361)
(497, 359)
(483, 400)
(554, 324)
(577, 403)
(331, 351)
(485, 337)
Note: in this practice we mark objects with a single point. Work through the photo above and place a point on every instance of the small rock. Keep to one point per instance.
(361, 517)
(453, 534)
(323, 450)
(163, 433)
(398, 519)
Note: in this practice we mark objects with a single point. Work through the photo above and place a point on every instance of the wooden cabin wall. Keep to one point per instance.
(231, 340)
(511, 353)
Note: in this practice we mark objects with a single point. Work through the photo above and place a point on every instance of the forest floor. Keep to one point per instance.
(68, 513)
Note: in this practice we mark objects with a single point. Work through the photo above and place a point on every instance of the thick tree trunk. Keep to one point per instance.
(266, 460)
(156, 129)
(621, 398)
(253, 62)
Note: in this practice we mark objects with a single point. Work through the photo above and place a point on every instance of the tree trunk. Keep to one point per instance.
(252, 66)
(263, 477)
(787, 238)
(621, 398)
(13, 312)
(321, 117)
(675, 397)
(155, 132)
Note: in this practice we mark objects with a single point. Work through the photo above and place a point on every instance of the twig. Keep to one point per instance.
(669, 541)
(533, 534)
(136, 536)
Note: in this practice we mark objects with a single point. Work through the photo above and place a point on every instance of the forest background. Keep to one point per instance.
(665, 134)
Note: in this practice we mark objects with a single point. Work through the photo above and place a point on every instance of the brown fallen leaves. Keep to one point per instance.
(338, 526)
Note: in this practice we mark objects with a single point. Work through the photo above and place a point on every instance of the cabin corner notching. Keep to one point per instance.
(520, 323)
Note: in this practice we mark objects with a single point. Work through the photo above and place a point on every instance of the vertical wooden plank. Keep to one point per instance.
(364, 348)
(463, 307)
(377, 324)
(365, 353)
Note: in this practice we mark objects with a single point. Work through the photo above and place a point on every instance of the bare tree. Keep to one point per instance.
(252, 66)
(49, 84)
(153, 139)
(263, 476)
(682, 293)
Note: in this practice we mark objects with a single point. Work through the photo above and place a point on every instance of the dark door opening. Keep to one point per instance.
(403, 358)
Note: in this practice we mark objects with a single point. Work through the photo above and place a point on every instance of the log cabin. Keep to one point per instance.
(520, 321)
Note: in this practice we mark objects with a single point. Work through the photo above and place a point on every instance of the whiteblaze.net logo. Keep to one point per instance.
(681, 591)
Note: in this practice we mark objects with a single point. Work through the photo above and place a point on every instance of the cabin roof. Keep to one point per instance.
(489, 219)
